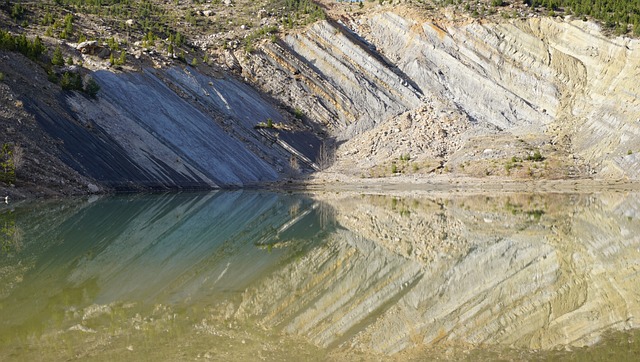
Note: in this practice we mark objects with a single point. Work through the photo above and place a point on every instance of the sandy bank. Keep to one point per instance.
(329, 181)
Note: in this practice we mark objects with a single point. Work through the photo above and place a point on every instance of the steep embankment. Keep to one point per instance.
(172, 128)
(468, 95)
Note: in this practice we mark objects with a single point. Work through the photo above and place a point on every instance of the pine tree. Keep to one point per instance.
(57, 58)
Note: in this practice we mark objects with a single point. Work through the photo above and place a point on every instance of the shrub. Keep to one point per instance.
(17, 11)
(123, 58)
(298, 113)
(7, 166)
(536, 157)
(92, 88)
(71, 81)
(57, 58)
(52, 77)
(1, 76)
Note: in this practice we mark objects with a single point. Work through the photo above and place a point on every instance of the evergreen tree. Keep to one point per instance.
(57, 58)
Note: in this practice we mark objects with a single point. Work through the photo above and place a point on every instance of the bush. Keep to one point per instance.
(92, 88)
(30, 48)
(17, 11)
(7, 165)
(71, 81)
(1, 76)
(53, 78)
(57, 58)
(536, 157)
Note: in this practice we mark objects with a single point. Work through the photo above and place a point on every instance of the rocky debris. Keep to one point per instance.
(230, 60)
(425, 134)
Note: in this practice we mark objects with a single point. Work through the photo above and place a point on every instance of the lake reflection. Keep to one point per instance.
(254, 275)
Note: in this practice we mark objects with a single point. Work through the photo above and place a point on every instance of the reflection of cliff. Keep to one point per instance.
(527, 272)
(147, 249)
(368, 274)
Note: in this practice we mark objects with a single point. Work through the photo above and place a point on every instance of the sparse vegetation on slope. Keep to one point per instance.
(620, 16)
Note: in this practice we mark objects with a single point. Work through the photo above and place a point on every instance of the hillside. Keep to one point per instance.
(150, 95)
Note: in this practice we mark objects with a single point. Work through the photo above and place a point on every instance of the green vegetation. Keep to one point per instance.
(258, 34)
(17, 11)
(92, 88)
(513, 162)
(57, 58)
(269, 124)
(298, 113)
(1, 76)
(7, 164)
(302, 12)
(620, 16)
(10, 235)
(30, 48)
(536, 157)
(71, 81)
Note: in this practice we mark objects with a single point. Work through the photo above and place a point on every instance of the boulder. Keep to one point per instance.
(88, 47)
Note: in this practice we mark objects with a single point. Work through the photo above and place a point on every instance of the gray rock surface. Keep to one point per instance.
(172, 128)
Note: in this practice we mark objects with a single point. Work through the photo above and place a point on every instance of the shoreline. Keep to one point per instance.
(330, 182)
(325, 182)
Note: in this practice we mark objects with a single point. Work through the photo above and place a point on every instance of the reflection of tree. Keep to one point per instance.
(10, 234)
(326, 215)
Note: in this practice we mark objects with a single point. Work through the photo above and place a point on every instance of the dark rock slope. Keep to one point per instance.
(157, 129)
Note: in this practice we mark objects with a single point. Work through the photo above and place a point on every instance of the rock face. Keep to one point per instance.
(397, 91)
(560, 85)
(166, 129)
(331, 74)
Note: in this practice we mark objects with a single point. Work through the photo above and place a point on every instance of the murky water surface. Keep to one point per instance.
(267, 276)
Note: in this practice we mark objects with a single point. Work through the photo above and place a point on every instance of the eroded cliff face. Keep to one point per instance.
(463, 92)
(174, 128)
(398, 90)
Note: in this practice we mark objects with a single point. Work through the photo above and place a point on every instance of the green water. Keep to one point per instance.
(250, 275)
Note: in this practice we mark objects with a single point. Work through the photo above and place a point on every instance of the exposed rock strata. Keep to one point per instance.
(558, 84)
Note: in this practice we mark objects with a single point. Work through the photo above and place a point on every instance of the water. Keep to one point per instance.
(252, 275)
